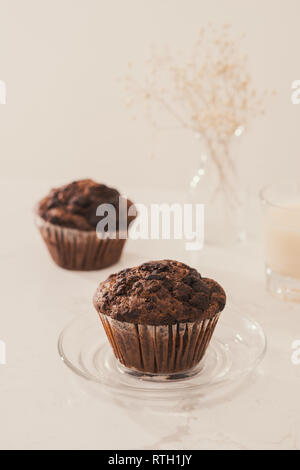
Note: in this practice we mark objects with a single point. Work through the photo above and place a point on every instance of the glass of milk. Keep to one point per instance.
(281, 231)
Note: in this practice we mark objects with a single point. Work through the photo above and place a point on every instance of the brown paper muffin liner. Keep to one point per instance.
(79, 250)
(163, 349)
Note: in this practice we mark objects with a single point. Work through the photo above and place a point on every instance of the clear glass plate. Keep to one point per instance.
(237, 347)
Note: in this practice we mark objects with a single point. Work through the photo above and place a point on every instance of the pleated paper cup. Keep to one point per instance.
(80, 250)
(162, 349)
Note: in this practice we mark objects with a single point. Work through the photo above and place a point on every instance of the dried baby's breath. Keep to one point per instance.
(210, 92)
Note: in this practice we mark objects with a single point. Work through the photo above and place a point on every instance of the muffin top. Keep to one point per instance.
(159, 293)
(74, 205)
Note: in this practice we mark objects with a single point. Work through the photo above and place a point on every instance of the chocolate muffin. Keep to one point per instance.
(77, 238)
(159, 317)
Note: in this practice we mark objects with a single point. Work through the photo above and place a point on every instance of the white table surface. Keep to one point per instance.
(43, 405)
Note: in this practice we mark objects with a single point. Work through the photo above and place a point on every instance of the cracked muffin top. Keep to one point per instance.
(159, 293)
(74, 205)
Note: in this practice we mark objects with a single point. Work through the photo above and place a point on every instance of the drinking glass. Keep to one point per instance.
(281, 233)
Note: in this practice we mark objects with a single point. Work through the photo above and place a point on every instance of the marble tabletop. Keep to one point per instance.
(43, 405)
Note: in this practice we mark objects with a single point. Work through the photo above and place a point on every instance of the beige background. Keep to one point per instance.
(65, 117)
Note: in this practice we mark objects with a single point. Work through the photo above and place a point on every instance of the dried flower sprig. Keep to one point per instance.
(210, 93)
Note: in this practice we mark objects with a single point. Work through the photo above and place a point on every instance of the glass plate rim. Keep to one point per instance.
(131, 388)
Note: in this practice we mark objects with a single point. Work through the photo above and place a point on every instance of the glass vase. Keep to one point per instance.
(216, 183)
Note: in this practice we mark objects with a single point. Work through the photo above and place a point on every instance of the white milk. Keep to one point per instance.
(282, 240)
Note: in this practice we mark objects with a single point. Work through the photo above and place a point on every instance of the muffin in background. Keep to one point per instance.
(67, 221)
(159, 317)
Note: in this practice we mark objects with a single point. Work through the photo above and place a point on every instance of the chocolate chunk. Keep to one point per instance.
(154, 277)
